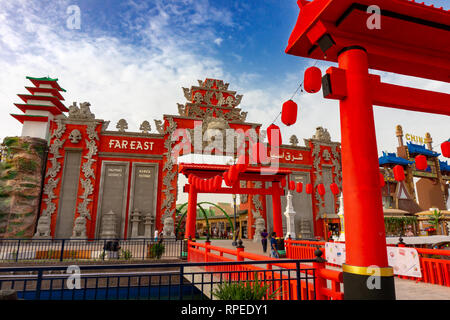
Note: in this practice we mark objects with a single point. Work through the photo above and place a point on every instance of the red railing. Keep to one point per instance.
(286, 287)
(434, 264)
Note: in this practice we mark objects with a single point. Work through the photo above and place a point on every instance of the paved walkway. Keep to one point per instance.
(405, 289)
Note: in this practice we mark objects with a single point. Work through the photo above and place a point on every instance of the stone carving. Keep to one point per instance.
(122, 125)
(79, 229)
(326, 155)
(109, 226)
(290, 213)
(43, 227)
(181, 109)
(168, 180)
(168, 229)
(105, 125)
(322, 135)
(82, 113)
(75, 136)
(293, 140)
(187, 94)
(260, 225)
(90, 129)
(149, 220)
(135, 220)
(145, 127)
(59, 131)
(159, 126)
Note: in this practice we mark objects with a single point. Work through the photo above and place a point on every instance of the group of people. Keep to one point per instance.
(265, 238)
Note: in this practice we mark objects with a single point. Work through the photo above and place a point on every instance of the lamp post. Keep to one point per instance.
(234, 243)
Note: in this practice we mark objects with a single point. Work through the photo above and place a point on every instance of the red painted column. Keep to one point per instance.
(276, 207)
(364, 220)
(191, 218)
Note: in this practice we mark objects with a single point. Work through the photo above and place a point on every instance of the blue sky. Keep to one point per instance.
(130, 58)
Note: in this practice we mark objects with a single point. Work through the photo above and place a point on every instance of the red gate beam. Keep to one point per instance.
(388, 95)
(409, 38)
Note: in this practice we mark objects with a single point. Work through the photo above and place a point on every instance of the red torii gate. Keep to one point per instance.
(414, 39)
(263, 174)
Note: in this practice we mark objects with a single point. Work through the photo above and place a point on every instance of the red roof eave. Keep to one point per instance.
(24, 117)
(53, 110)
(54, 100)
(53, 91)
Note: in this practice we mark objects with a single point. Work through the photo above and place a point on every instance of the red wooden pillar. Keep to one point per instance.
(191, 218)
(364, 221)
(276, 207)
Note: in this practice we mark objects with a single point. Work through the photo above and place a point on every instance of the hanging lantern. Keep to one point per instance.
(283, 182)
(226, 178)
(382, 182)
(308, 188)
(190, 178)
(421, 162)
(289, 113)
(445, 147)
(204, 185)
(299, 187)
(334, 188)
(321, 189)
(233, 174)
(291, 185)
(210, 185)
(274, 135)
(312, 80)
(217, 182)
(399, 173)
(242, 163)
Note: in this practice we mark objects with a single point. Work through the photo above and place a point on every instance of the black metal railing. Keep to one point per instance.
(57, 250)
(169, 281)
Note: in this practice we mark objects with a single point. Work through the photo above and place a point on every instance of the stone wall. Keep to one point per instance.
(20, 185)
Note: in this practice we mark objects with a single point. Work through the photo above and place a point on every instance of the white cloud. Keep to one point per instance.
(218, 41)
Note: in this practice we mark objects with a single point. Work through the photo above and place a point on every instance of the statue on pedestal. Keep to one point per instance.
(289, 213)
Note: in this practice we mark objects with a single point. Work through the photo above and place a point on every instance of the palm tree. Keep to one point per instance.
(436, 218)
(181, 215)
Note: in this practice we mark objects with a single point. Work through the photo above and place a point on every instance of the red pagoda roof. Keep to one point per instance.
(413, 39)
(27, 117)
(54, 100)
(46, 80)
(52, 109)
(53, 91)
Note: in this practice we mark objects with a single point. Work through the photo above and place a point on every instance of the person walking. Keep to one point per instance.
(264, 236)
(273, 245)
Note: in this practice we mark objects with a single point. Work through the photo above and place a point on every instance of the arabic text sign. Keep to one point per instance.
(404, 261)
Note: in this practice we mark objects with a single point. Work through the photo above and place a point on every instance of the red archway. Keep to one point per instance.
(411, 40)
(263, 174)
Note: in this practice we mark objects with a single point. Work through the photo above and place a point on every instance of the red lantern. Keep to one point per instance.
(321, 189)
(274, 135)
(226, 178)
(217, 182)
(291, 185)
(399, 173)
(308, 188)
(242, 163)
(233, 174)
(312, 80)
(204, 185)
(421, 162)
(210, 185)
(445, 147)
(289, 113)
(190, 179)
(334, 188)
(283, 182)
(259, 153)
(382, 183)
(299, 187)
